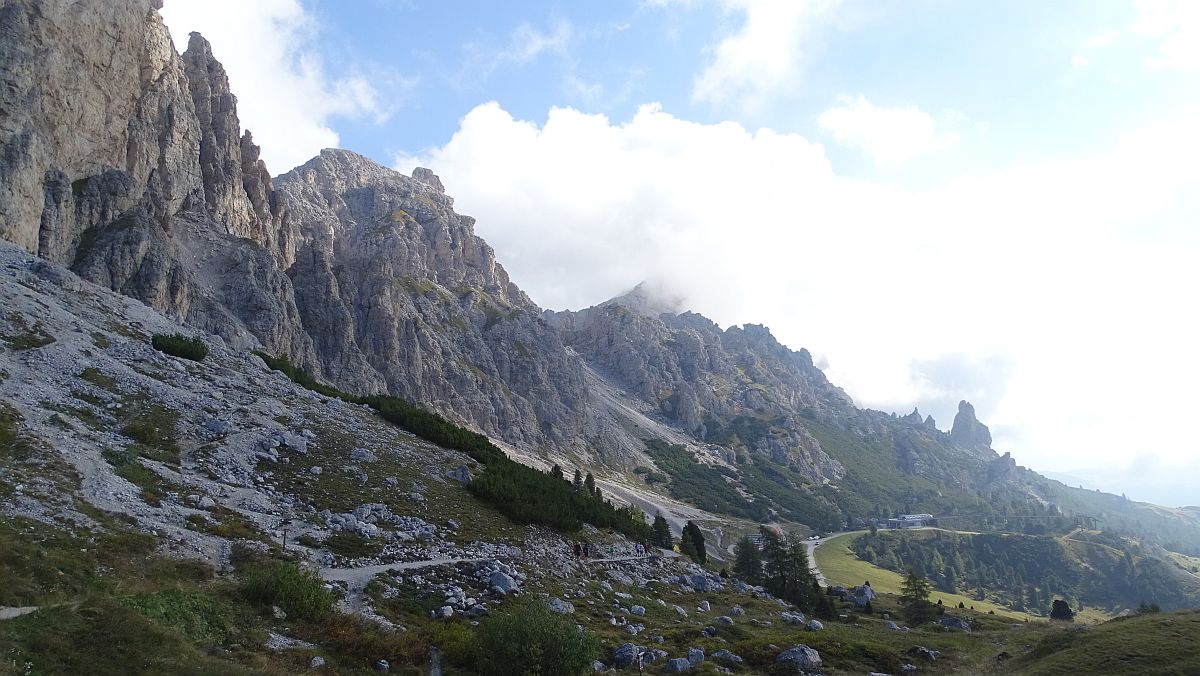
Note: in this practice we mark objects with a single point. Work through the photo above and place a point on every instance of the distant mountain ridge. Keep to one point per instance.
(144, 182)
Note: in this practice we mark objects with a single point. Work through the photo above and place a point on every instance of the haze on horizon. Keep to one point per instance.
(941, 201)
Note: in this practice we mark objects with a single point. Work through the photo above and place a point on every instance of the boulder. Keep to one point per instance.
(316, 662)
(862, 595)
(637, 610)
(792, 618)
(800, 657)
(502, 583)
(922, 653)
(626, 655)
(955, 623)
(678, 665)
(726, 656)
(461, 474)
(725, 620)
(737, 611)
(814, 625)
(695, 655)
(704, 606)
(560, 606)
(296, 442)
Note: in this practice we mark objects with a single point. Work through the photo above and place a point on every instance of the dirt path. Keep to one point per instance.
(662, 554)
(358, 578)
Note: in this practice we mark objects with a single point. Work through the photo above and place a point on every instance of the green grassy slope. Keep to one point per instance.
(1158, 643)
(841, 567)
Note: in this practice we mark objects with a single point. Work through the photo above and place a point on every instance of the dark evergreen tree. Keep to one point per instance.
(914, 598)
(662, 532)
(748, 561)
(695, 543)
(578, 482)
(1061, 610)
(687, 546)
(557, 473)
(589, 484)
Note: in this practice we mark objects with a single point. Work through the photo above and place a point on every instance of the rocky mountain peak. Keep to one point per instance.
(649, 299)
(429, 178)
(968, 432)
(237, 185)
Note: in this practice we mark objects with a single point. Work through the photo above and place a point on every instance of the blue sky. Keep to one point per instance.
(940, 199)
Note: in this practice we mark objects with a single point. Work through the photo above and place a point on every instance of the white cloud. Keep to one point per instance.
(1176, 24)
(764, 58)
(888, 135)
(287, 98)
(527, 42)
(1080, 61)
(578, 89)
(1054, 295)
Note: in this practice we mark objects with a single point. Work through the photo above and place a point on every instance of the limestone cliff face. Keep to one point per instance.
(737, 387)
(97, 120)
(125, 160)
(401, 296)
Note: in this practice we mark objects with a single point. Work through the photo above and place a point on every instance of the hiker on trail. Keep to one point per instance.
(578, 550)
(587, 551)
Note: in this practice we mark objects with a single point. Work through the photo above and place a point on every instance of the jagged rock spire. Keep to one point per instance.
(968, 432)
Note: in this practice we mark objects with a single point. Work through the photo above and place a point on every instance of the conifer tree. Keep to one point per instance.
(915, 598)
(589, 484)
(1061, 610)
(578, 482)
(557, 473)
(662, 532)
(694, 540)
(748, 562)
(687, 546)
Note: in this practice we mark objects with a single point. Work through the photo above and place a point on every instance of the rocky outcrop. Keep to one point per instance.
(737, 387)
(968, 432)
(237, 185)
(400, 296)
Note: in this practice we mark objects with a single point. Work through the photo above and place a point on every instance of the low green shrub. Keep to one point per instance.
(300, 593)
(530, 639)
(179, 345)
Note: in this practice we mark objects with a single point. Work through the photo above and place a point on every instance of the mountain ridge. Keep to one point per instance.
(371, 281)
